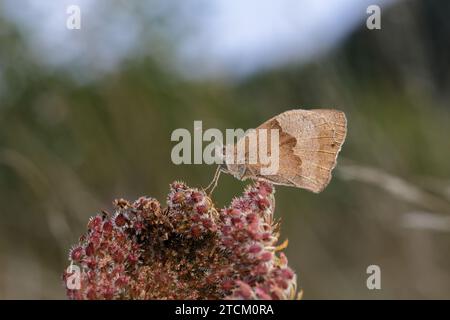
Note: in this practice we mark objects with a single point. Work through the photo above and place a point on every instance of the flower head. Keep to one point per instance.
(187, 250)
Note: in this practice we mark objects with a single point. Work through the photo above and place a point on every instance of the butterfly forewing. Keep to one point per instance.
(309, 142)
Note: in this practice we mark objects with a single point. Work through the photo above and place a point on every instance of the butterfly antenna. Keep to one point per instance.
(213, 183)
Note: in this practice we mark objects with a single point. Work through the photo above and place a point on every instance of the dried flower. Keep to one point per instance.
(188, 250)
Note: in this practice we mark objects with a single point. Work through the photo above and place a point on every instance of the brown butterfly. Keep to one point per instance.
(309, 142)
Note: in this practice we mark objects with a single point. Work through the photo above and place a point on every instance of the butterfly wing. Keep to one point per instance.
(310, 141)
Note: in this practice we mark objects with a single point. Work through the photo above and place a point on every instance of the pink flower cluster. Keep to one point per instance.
(188, 250)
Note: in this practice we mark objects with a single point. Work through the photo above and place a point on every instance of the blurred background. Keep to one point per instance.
(86, 117)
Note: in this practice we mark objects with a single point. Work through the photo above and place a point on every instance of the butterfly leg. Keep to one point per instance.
(213, 183)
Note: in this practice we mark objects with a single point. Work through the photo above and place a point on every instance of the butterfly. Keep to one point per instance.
(308, 143)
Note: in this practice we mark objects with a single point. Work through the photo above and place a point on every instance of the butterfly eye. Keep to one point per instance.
(241, 171)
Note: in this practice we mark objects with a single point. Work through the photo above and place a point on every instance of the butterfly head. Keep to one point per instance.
(236, 170)
(228, 165)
